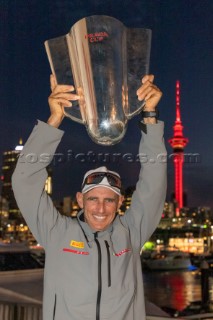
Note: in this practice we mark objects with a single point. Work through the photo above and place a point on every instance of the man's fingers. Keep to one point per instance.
(146, 84)
(63, 99)
(58, 87)
(63, 95)
(153, 93)
(53, 83)
(146, 89)
(143, 93)
(63, 88)
(148, 77)
(60, 101)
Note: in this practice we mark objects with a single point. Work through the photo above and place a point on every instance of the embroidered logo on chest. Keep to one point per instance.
(76, 244)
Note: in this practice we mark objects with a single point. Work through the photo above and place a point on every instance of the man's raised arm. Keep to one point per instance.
(148, 199)
(29, 177)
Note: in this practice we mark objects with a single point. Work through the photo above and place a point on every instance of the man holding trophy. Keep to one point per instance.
(93, 265)
(93, 268)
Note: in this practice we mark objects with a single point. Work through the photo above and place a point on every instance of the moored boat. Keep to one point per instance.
(169, 260)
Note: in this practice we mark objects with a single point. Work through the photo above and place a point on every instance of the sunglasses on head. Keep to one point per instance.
(97, 177)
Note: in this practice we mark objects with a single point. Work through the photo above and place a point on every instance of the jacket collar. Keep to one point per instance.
(114, 233)
(89, 232)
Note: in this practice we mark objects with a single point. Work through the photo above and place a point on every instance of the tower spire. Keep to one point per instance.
(178, 101)
(178, 142)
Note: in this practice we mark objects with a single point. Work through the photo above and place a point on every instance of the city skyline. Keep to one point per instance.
(181, 50)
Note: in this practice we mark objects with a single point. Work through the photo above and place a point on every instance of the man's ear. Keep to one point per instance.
(79, 198)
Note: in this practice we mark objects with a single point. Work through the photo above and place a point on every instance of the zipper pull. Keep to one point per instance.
(108, 262)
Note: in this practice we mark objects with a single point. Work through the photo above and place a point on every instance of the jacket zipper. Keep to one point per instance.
(54, 308)
(99, 279)
(108, 262)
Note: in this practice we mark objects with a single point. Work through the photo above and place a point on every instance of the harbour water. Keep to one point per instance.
(174, 289)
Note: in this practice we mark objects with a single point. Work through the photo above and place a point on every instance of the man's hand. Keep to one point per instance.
(151, 94)
(59, 98)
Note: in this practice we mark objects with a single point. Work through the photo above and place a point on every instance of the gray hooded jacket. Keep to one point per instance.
(91, 276)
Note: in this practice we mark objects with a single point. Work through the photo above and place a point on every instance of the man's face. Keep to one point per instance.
(100, 206)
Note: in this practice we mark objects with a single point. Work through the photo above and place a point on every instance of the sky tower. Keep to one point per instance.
(178, 142)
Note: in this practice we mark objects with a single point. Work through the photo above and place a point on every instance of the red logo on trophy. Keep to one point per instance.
(97, 36)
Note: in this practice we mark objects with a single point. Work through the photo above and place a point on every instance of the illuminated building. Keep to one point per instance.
(48, 183)
(178, 142)
(9, 163)
(3, 215)
(127, 200)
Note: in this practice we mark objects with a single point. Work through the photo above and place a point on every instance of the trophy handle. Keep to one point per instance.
(138, 57)
(61, 66)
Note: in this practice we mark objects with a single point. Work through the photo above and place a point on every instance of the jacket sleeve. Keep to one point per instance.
(29, 178)
(148, 199)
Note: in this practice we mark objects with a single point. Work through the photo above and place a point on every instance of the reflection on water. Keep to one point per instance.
(175, 289)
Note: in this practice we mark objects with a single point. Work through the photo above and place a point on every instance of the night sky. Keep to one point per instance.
(182, 49)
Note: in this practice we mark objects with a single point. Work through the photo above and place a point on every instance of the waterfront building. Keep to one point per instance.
(12, 224)
(70, 207)
(4, 214)
(127, 199)
(9, 163)
(75, 208)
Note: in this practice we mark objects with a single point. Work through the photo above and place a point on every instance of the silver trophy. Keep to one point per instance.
(105, 61)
